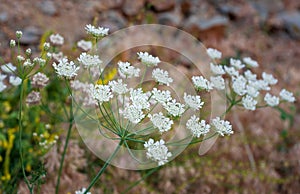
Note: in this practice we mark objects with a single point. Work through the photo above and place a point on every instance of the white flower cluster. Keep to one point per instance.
(148, 59)
(82, 191)
(65, 68)
(157, 151)
(12, 79)
(96, 32)
(89, 60)
(56, 39)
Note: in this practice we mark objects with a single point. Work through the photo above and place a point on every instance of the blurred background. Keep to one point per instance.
(263, 156)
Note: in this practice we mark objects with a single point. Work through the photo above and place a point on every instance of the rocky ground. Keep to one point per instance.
(266, 30)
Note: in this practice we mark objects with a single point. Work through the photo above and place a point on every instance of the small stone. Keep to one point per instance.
(229, 10)
(31, 35)
(132, 7)
(3, 17)
(267, 7)
(48, 7)
(112, 20)
(162, 5)
(170, 19)
(205, 28)
(107, 4)
(291, 22)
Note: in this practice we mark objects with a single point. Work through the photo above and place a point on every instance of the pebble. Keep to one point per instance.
(31, 35)
(113, 20)
(170, 19)
(48, 7)
(3, 17)
(162, 5)
(132, 7)
(291, 22)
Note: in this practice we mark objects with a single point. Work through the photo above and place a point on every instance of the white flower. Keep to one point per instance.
(161, 96)
(222, 127)
(157, 151)
(218, 82)
(231, 71)
(260, 85)
(58, 56)
(2, 77)
(39, 80)
(101, 93)
(161, 76)
(12, 43)
(139, 98)
(133, 114)
(201, 83)
(250, 76)
(236, 63)
(33, 98)
(147, 59)
(38, 60)
(271, 100)
(161, 122)
(213, 53)
(89, 60)
(46, 46)
(193, 102)
(2, 86)
(8, 68)
(197, 128)
(56, 39)
(251, 91)
(15, 81)
(97, 32)
(82, 191)
(174, 108)
(249, 103)
(269, 78)
(65, 68)
(250, 62)
(217, 69)
(127, 71)
(85, 45)
(19, 34)
(118, 86)
(239, 85)
(28, 63)
(286, 95)
(20, 58)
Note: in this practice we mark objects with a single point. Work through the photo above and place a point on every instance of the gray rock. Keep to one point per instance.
(229, 10)
(48, 7)
(267, 7)
(162, 5)
(3, 17)
(132, 7)
(170, 19)
(112, 20)
(291, 22)
(31, 35)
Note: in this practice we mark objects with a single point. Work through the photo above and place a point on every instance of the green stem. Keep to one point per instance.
(104, 167)
(20, 137)
(65, 149)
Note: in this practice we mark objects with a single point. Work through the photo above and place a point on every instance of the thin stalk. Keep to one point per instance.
(104, 167)
(20, 137)
(71, 120)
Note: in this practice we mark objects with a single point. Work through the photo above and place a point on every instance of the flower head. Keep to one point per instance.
(174, 108)
(157, 151)
(213, 53)
(239, 85)
(33, 98)
(161, 122)
(96, 32)
(197, 128)
(269, 78)
(65, 68)
(161, 96)
(15, 81)
(236, 63)
(231, 71)
(286, 95)
(57, 39)
(250, 62)
(39, 80)
(249, 103)
(139, 98)
(161, 76)
(271, 100)
(193, 102)
(221, 126)
(82, 191)
(148, 59)
(250, 76)
(218, 82)
(217, 69)
(8, 68)
(133, 114)
(2, 86)
(85, 45)
(101, 93)
(201, 83)
(118, 86)
(127, 71)
(89, 60)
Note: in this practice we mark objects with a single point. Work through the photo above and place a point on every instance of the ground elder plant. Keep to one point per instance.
(130, 110)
